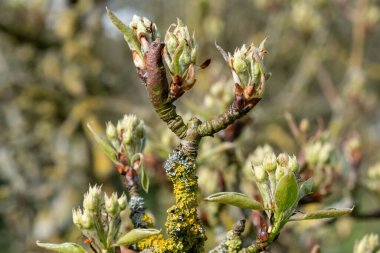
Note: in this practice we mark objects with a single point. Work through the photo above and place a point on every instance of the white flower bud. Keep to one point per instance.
(312, 152)
(282, 159)
(111, 204)
(111, 131)
(260, 173)
(270, 162)
(86, 220)
(293, 164)
(325, 153)
(77, 217)
(122, 202)
(369, 243)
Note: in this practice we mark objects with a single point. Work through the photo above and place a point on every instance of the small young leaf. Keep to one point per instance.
(286, 192)
(107, 148)
(136, 235)
(305, 188)
(235, 199)
(128, 34)
(175, 61)
(322, 214)
(144, 179)
(262, 44)
(66, 247)
(222, 52)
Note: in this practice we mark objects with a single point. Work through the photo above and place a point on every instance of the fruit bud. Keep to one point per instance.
(122, 202)
(270, 162)
(260, 173)
(111, 131)
(77, 217)
(282, 159)
(111, 204)
(293, 164)
(86, 220)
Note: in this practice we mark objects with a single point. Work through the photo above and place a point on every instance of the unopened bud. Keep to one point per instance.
(132, 132)
(325, 153)
(260, 173)
(282, 159)
(369, 243)
(77, 217)
(280, 171)
(145, 31)
(111, 204)
(270, 162)
(312, 152)
(293, 164)
(89, 202)
(180, 50)
(111, 131)
(86, 220)
(122, 202)
(93, 198)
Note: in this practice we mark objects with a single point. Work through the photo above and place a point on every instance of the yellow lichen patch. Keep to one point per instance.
(184, 229)
(156, 241)
(146, 218)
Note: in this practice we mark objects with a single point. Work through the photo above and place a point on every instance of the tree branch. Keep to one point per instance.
(154, 77)
(239, 108)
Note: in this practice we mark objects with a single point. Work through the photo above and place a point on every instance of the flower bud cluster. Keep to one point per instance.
(180, 54)
(247, 69)
(145, 32)
(100, 217)
(256, 158)
(368, 244)
(128, 137)
(139, 34)
(318, 153)
(276, 179)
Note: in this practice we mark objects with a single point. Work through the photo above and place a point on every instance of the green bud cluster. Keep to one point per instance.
(143, 33)
(128, 137)
(276, 179)
(145, 30)
(139, 34)
(100, 217)
(247, 69)
(368, 244)
(180, 52)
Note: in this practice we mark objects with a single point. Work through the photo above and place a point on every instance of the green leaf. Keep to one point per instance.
(129, 36)
(67, 247)
(305, 188)
(136, 235)
(107, 148)
(286, 192)
(235, 199)
(322, 214)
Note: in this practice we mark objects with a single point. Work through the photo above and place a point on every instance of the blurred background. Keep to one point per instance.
(63, 64)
